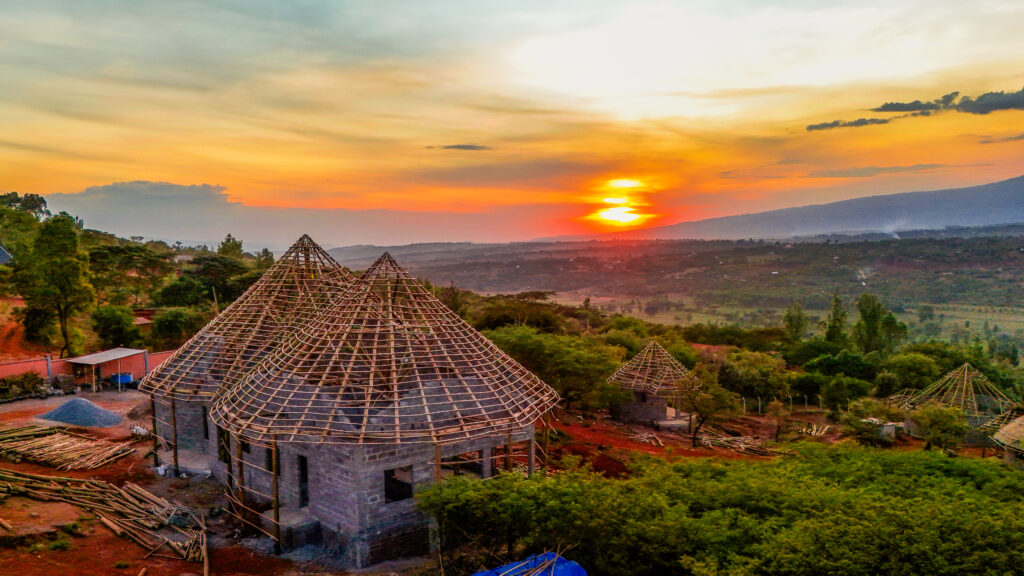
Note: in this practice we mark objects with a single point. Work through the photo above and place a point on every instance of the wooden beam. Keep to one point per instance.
(174, 435)
(156, 439)
(277, 497)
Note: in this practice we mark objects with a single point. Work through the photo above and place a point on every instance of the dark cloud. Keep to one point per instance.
(984, 104)
(1004, 139)
(461, 147)
(851, 124)
(868, 171)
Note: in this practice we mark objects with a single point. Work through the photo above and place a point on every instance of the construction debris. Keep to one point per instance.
(147, 519)
(712, 438)
(810, 429)
(647, 438)
(57, 447)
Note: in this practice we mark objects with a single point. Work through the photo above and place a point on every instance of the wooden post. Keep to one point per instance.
(437, 463)
(174, 435)
(531, 463)
(156, 439)
(508, 454)
(277, 499)
(241, 473)
(547, 445)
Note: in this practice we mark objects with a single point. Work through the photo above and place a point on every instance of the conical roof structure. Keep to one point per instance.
(654, 371)
(285, 295)
(385, 363)
(1011, 436)
(964, 388)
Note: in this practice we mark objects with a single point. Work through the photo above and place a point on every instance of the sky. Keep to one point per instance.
(392, 122)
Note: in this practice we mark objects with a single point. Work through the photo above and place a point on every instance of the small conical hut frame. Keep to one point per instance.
(654, 371)
(386, 363)
(251, 326)
(656, 379)
(964, 388)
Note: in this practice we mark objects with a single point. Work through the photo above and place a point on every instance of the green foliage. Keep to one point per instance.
(182, 291)
(708, 404)
(120, 271)
(518, 309)
(838, 392)
(754, 374)
(801, 353)
(171, 327)
(846, 362)
(624, 339)
(115, 325)
(54, 278)
(941, 427)
(825, 510)
(795, 322)
(577, 367)
(757, 339)
(231, 247)
(21, 385)
(835, 325)
(215, 272)
(877, 330)
(264, 259)
(454, 299)
(808, 383)
(911, 370)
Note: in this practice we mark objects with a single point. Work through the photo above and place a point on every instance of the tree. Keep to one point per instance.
(835, 325)
(754, 374)
(706, 404)
(925, 313)
(943, 427)
(264, 259)
(912, 370)
(171, 327)
(54, 278)
(215, 272)
(231, 247)
(115, 325)
(877, 330)
(32, 204)
(778, 411)
(795, 322)
(182, 291)
(840, 390)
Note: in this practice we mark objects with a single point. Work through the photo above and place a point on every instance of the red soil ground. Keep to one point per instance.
(12, 334)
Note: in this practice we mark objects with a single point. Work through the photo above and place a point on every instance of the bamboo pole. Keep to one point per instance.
(156, 439)
(277, 498)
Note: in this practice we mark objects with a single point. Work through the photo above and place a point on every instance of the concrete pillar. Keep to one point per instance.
(487, 462)
(531, 463)
(49, 369)
(145, 362)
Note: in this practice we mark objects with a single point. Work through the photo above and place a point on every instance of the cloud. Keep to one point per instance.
(868, 171)
(203, 214)
(461, 147)
(1004, 139)
(986, 103)
(851, 124)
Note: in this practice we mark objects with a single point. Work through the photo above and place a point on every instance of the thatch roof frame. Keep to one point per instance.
(286, 294)
(654, 371)
(387, 362)
(964, 388)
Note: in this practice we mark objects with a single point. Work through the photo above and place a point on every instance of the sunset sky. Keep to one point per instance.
(394, 122)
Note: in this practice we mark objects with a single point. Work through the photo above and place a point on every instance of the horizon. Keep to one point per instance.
(481, 122)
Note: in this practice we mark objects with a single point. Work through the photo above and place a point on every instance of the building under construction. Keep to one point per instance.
(655, 379)
(361, 392)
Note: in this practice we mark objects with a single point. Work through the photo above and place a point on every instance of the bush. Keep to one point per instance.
(19, 385)
(824, 510)
(115, 325)
(171, 327)
(943, 427)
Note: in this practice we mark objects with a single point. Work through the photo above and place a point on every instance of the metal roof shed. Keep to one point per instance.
(104, 357)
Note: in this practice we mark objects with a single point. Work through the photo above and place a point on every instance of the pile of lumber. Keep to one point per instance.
(712, 438)
(57, 447)
(128, 511)
(647, 438)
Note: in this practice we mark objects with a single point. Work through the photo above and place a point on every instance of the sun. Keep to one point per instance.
(619, 215)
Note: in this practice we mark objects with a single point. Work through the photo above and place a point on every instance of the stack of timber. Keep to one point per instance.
(57, 447)
(739, 444)
(128, 511)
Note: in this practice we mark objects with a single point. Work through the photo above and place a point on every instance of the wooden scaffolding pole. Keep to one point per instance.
(437, 463)
(174, 436)
(547, 443)
(241, 472)
(274, 472)
(508, 454)
(156, 439)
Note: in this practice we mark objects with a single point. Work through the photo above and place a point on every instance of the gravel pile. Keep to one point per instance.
(81, 412)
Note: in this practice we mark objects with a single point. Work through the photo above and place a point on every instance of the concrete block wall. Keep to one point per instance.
(644, 409)
(189, 417)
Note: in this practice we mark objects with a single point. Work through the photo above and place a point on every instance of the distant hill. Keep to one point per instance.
(986, 205)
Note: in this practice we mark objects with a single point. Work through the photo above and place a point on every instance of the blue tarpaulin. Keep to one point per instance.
(555, 566)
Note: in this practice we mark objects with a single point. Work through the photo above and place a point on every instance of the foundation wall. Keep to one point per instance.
(644, 409)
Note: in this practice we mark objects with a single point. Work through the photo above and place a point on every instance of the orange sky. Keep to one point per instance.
(521, 111)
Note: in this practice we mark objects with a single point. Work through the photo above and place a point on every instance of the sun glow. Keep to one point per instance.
(619, 215)
(625, 183)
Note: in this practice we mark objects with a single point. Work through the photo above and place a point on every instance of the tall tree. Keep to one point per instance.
(230, 247)
(54, 278)
(835, 325)
(877, 330)
(794, 321)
